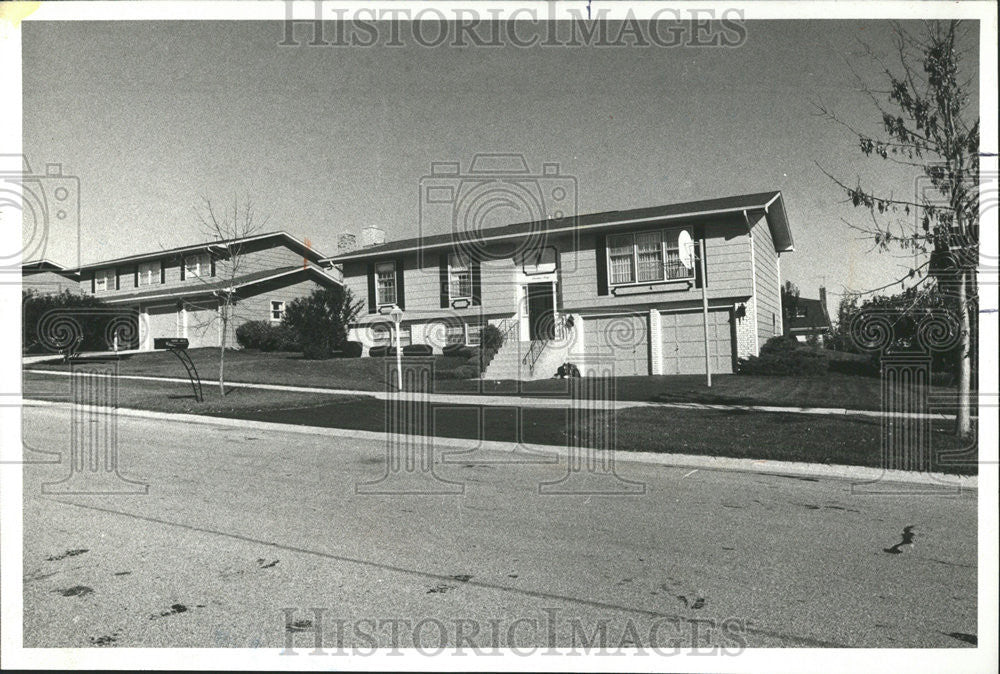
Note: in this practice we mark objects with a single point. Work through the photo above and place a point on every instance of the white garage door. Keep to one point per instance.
(684, 342)
(162, 321)
(621, 339)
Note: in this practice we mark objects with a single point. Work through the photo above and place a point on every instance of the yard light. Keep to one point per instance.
(397, 316)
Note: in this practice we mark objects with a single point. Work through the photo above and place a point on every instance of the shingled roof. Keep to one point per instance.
(770, 202)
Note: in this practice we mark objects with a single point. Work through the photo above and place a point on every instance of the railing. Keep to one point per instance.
(538, 345)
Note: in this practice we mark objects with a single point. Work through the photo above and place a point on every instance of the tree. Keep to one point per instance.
(928, 126)
(320, 321)
(789, 304)
(227, 228)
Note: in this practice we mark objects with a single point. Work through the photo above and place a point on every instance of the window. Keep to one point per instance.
(646, 257)
(196, 265)
(459, 277)
(149, 273)
(381, 334)
(620, 252)
(277, 311)
(800, 312)
(473, 334)
(455, 334)
(104, 280)
(385, 282)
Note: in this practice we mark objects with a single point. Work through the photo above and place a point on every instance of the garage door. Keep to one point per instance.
(160, 321)
(203, 325)
(621, 339)
(684, 342)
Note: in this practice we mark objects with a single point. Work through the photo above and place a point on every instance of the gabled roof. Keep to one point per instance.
(815, 319)
(47, 265)
(282, 238)
(209, 287)
(770, 202)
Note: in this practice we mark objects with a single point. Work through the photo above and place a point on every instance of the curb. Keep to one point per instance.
(858, 475)
(519, 401)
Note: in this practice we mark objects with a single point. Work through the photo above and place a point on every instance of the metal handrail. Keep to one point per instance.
(533, 355)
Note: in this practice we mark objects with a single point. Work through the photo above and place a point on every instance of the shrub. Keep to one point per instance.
(319, 321)
(491, 338)
(381, 351)
(784, 356)
(468, 371)
(457, 350)
(266, 336)
(567, 370)
(86, 317)
(353, 349)
(418, 350)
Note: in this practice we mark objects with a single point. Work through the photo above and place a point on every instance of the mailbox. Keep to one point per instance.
(170, 343)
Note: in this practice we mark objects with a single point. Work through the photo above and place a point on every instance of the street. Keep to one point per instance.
(240, 524)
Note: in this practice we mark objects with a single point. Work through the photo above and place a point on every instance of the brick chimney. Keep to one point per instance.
(346, 243)
(372, 235)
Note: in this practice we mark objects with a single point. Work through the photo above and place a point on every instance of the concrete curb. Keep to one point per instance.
(862, 477)
(519, 401)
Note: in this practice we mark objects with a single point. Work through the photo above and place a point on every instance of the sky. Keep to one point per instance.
(153, 116)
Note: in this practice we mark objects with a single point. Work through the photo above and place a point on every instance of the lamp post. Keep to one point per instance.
(397, 317)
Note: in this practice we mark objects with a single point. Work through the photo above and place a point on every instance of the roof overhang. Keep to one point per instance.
(773, 207)
(298, 246)
(317, 273)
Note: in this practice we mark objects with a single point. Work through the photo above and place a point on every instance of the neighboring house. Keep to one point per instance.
(811, 318)
(174, 291)
(622, 286)
(47, 277)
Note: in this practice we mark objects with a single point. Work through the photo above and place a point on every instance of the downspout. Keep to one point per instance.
(753, 284)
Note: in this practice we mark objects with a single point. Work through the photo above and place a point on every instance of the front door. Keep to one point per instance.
(541, 311)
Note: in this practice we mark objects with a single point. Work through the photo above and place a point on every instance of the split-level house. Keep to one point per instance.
(621, 287)
(176, 292)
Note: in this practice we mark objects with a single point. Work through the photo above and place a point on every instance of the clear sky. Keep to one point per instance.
(150, 116)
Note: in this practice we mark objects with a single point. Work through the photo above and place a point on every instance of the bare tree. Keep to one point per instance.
(929, 126)
(228, 228)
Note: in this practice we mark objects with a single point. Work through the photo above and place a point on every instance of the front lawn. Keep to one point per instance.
(756, 435)
(369, 374)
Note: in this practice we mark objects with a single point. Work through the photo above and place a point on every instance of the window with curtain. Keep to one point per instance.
(645, 257)
(459, 277)
(385, 282)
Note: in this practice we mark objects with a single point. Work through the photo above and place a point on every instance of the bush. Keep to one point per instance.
(382, 351)
(266, 336)
(418, 350)
(784, 356)
(457, 350)
(319, 321)
(491, 338)
(567, 370)
(468, 371)
(353, 349)
(74, 315)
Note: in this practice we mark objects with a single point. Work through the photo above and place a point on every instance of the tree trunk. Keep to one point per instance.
(963, 424)
(222, 351)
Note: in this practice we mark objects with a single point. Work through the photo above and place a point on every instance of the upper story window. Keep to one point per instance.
(459, 277)
(104, 280)
(644, 257)
(197, 265)
(385, 282)
(277, 311)
(149, 273)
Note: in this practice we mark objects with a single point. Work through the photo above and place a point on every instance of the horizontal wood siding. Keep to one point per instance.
(768, 292)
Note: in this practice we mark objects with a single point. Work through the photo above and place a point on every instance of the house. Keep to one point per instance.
(176, 292)
(624, 287)
(47, 277)
(811, 319)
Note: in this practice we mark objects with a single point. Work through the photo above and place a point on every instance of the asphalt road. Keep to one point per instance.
(240, 524)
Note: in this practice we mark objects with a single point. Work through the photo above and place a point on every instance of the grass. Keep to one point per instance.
(369, 374)
(755, 435)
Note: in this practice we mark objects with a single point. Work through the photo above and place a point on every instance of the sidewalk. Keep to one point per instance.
(530, 401)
